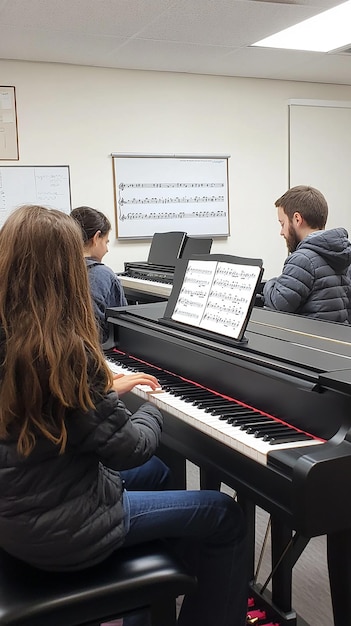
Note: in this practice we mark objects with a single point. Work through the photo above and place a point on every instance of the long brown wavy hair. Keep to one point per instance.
(50, 354)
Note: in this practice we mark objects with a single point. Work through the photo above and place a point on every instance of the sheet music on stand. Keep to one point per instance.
(214, 294)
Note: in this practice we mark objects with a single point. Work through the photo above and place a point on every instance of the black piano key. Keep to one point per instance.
(219, 406)
(230, 406)
(259, 425)
(202, 397)
(267, 436)
(190, 390)
(235, 411)
(207, 403)
(247, 418)
(296, 437)
(274, 425)
(209, 407)
(182, 392)
(265, 429)
(206, 396)
(122, 364)
(272, 432)
(182, 384)
(146, 369)
(174, 391)
(266, 422)
(178, 383)
(233, 406)
(241, 418)
(188, 396)
(180, 387)
(213, 399)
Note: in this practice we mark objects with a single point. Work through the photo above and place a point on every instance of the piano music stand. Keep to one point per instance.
(165, 248)
(214, 294)
(196, 245)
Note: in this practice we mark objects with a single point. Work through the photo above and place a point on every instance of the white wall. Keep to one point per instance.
(79, 115)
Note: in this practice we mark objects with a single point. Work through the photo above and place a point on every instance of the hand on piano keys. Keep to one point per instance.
(122, 383)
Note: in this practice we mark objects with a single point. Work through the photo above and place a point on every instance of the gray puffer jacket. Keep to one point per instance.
(65, 512)
(315, 281)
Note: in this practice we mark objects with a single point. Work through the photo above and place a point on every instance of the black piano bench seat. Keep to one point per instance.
(144, 576)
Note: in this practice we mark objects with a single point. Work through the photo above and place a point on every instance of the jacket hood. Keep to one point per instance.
(332, 245)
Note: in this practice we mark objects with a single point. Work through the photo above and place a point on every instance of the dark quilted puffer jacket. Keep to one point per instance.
(64, 512)
(315, 281)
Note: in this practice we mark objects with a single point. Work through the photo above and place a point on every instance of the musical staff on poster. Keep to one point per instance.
(162, 194)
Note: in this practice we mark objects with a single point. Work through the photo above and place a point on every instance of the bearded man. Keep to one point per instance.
(316, 279)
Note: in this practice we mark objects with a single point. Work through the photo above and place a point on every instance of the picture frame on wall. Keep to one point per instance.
(8, 124)
(158, 193)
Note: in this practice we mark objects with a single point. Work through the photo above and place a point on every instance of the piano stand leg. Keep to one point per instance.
(177, 464)
(339, 564)
(286, 550)
(282, 576)
(209, 479)
(249, 509)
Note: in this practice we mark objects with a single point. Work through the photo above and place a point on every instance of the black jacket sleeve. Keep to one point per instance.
(119, 439)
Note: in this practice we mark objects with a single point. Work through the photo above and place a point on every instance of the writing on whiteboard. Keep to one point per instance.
(44, 185)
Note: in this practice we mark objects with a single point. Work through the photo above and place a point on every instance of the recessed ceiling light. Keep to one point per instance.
(322, 33)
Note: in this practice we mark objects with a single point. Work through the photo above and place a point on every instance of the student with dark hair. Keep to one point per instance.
(315, 281)
(71, 454)
(105, 287)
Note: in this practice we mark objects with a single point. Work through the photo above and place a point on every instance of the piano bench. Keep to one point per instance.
(144, 576)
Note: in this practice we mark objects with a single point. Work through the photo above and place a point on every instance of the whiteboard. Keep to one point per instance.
(320, 153)
(45, 185)
(170, 193)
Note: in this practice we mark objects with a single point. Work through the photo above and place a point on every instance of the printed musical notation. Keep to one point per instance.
(163, 193)
(172, 215)
(168, 185)
(145, 202)
(176, 200)
(216, 296)
(136, 195)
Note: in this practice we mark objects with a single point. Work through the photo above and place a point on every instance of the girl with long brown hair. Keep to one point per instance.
(78, 475)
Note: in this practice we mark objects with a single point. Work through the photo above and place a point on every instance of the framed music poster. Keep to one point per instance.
(164, 193)
(8, 125)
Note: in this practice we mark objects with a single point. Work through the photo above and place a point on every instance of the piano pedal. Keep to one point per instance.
(258, 617)
(262, 612)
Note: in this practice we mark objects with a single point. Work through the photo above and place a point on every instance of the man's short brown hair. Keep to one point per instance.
(309, 202)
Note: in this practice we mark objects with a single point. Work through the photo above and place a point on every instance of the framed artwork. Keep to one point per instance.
(165, 193)
(8, 125)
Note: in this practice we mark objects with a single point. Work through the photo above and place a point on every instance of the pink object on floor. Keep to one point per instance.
(117, 622)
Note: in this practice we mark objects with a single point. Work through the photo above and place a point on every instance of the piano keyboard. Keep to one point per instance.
(239, 426)
(149, 286)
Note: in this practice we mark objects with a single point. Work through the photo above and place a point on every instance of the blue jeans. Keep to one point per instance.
(208, 530)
